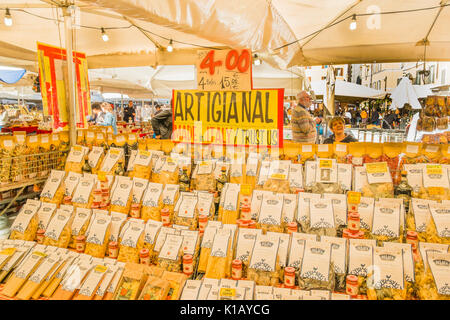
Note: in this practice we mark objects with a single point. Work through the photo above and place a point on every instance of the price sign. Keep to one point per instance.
(224, 70)
(354, 197)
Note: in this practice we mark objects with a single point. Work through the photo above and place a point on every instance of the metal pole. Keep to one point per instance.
(68, 11)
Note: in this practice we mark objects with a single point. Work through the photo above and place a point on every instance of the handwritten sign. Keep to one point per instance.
(240, 118)
(224, 70)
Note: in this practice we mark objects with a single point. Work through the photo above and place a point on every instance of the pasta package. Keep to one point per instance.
(419, 217)
(339, 260)
(340, 152)
(205, 204)
(160, 237)
(22, 273)
(230, 211)
(321, 217)
(44, 214)
(295, 177)
(264, 265)
(386, 225)
(25, 225)
(203, 177)
(339, 204)
(170, 255)
(110, 163)
(317, 269)
(117, 221)
(379, 181)
(325, 177)
(151, 204)
(206, 244)
(271, 213)
(83, 196)
(79, 224)
(278, 177)
(176, 281)
(436, 277)
(388, 283)
(185, 213)
(151, 232)
(90, 138)
(438, 229)
(356, 152)
(158, 161)
(92, 282)
(263, 174)
(131, 241)
(303, 209)
(81, 136)
(59, 231)
(307, 152)
(74, 161)
(97, 235)
(170, 171)
(71, 182)
(142, 165)
(431, 152)
(122, 196)
(255, 204)
(251, 169)
(131, 282)
(289, 210)
(53, 191)
(435, 182)
(218, 260)
(191, 243)
(155, 289)
(360, 260)
(237, 170)
(244, 246)
(139, 186)
(95, 158)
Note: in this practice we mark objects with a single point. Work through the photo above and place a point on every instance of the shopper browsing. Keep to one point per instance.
(97, 114)
(302, 123)
(162, 124)
(110, 118)
(129, 112)
(337, 126)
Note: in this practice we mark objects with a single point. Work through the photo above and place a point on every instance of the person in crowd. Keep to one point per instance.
(375, 117)
(129, 112)
(110, 118)
(302, 123)
(162, 123)
(364, 116)
(388, 121)
(348, 116)
(337, 126)
(357, 117)
(157, 109)
(97, 114)
(4, 118)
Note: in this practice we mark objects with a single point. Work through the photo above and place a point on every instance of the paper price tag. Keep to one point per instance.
(245, 189)
(434, 169)
(376, 167)
(227, 292)
(326, 164)
(354, 197)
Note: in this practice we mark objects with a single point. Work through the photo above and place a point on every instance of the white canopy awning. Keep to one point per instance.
(404, 93)
(284, 33)
(347, 89)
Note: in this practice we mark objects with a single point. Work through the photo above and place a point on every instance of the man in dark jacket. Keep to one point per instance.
(162, 124)
(129, 112)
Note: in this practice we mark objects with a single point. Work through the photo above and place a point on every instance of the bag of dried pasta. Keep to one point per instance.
(271, 213)
(74, 161)
(83, 195)
(388, 283)
(53, 190)
(237, 170)
(169, 198)
(160, 237)
(25, 225)
(431, 152)
(419, 216)
(112, 161)
(435, 182)
(95, 158)
(277, 180)
(307, 152)
(303, 210)
(170, 172)
(325, 177)
(158, 161)
(435, 279)
(251, 169)
(151, 233)
(379, 181)
(80, 224)
(117, 221)
(339, 260)
(360, 260)
(142, 165)
(203, 176)
(230, 210)
(206, 244)
(263, 175)
(185, 213)
(151, 208)
(445, 154)
(81, 133)
(438, 228)
(19, 162)
(98, 235)
(341, 152)
(386, 224)
(90, 138)
(218, 261)
(411, 154)
(44, 214)
(171, 253)
(131, 241)
(59, 230)
(244, 246)
(321, 221)
(132, 281)
(264, 266)
(122, 196)
(7, 152)
(155, 289)
(317, 269)
(391, 154)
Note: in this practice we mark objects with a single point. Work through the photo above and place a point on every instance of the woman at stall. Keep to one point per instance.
(337, 126)
(110, 118)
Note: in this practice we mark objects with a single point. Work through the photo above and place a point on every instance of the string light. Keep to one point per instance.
(104, 35)
(169, 47)
(353, 23)
(8, 19)
(256, 60)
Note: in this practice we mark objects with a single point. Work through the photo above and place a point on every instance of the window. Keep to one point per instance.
(443, 76)
(379, 85)
(339, 72)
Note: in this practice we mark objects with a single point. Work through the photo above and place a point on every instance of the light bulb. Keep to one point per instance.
(169, 47)
(104, 35)
(353, 23)
(8, 18)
